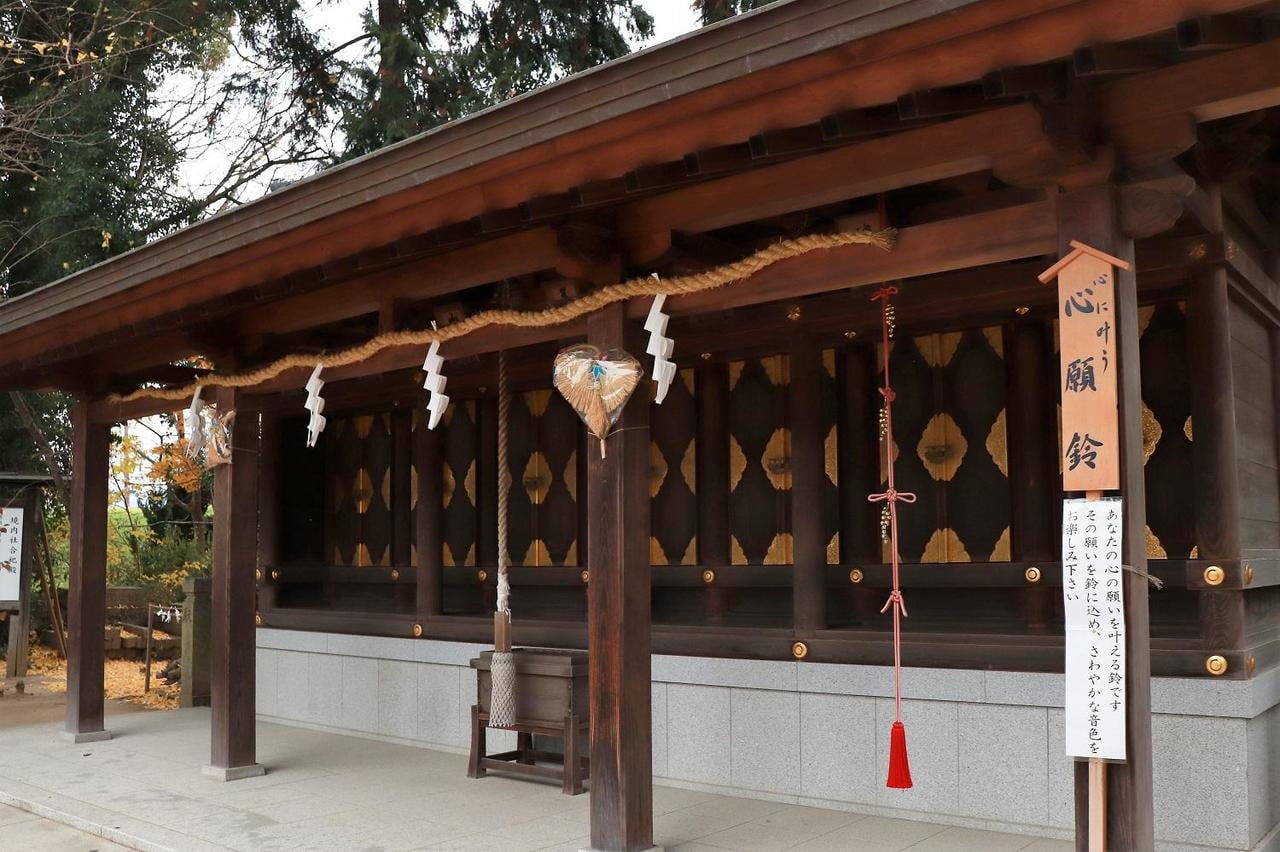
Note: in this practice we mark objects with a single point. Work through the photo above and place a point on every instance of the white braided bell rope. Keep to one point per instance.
(502, 669)
(502, 702)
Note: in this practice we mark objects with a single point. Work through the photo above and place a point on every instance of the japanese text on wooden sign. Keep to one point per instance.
(10, 554)
(1088, 369)
(1093, 603)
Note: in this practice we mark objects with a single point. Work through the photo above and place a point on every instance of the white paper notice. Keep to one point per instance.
(10, 554)
(1093, 603)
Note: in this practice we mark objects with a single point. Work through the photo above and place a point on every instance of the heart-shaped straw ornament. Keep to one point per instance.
(597, 385)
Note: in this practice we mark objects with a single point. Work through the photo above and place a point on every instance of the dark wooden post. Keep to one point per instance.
(1216, 491)
(402, 520)
(87, 593)
(804, 406)
(712, 394)
(235, 548)
(427, 522)
(1033, 466)
(859, 454)
(269, 492)
(1089, 215)
(618, 614)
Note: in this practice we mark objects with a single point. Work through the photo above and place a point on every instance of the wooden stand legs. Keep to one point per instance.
(524, 760)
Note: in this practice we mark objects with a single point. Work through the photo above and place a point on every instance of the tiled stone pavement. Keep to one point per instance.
(324, 791)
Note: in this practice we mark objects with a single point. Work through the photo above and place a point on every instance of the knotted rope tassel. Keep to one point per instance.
(502, 669)
(899, 766)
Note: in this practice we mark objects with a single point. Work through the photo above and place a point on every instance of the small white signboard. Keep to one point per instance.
(1093, 603)
(10, 555)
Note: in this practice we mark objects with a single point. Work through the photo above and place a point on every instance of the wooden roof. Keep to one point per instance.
(794, 66)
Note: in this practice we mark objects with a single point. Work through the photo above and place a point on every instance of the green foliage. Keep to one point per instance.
(711, 11)
(435, 60)
(158, 558)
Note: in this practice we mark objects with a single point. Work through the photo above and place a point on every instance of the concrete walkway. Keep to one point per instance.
(143, 789)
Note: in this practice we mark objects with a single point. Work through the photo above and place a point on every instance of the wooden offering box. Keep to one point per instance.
(551, 700)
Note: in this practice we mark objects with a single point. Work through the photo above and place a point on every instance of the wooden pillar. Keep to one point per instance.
(87, 592)
(1215, 488)
(804, 406)
(712, 395)
(487, 481)
(235, 547)
(859, 436)
(618, 614)
(427, 522)
(1034, 482)
(1089, 215)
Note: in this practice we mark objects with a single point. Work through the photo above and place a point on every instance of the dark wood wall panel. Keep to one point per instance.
(952, 448)
(673, 464)
(542, 455)
(759, 462)
(830, 418)
(1167, 430)
(301, 490)
(458, 469)
(1251, 364)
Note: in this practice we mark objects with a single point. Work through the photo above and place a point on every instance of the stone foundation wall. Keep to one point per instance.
(986, 747)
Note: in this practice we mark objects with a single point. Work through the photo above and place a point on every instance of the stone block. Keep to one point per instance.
(1004, 769)
(933, 746)
(838, 748)
(698, 733)
(397, 699)
(765, 753)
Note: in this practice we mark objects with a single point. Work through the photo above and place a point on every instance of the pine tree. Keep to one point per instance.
(437, 60)
(711, 11)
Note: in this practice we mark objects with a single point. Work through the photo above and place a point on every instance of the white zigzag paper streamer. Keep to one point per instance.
(315, 405)
(195, 424)
(437, 401)
(660, 347)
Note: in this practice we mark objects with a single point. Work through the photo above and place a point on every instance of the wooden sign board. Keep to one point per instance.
(1088, 372)
(1093, 610)
(12, 569)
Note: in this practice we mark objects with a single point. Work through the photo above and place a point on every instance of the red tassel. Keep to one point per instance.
(899, 768)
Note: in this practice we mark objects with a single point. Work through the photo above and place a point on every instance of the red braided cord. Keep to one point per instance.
(891, 496)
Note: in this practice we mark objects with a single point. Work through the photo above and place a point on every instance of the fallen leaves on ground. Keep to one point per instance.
(122, 679)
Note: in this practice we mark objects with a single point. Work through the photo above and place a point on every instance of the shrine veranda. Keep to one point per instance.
(721, 562)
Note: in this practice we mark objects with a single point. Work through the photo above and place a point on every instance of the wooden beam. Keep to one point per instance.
(618, 618)
(1152, 116)
(493, 260)
(1011, 233)
(87, 583)
(925, 154)
(1090, 216)
(235, 542)
(712, 398)
(808, 595)
(428, 526)
(1034, 486)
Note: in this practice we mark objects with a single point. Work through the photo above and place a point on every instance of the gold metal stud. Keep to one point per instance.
(799, 650)
(586, 576)
(855, 576)
(850, 335)
(395, 575)
(706, 356)
(482, 575)
(275, 575)
(1216, 665)
(1251, 665)
(1022, 310)
(708, 576)
(417, 631)
(1214, 575)
(793, 313)
(257, 619)
(1032, 574)
(257, 574)
(1248, 574)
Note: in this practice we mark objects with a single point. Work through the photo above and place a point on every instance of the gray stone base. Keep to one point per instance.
(84, 736)
(650, 849)
(234, 773)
